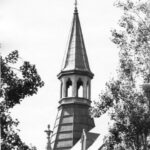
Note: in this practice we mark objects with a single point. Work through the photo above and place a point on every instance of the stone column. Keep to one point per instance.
(89, 89)
(85, 89)
(61, 85)
(74, 87)
(64, 88)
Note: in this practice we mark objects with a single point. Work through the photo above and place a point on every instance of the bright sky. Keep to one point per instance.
(39, 30)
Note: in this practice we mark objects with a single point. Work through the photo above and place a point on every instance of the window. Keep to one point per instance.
(69, 88)
(80, 88)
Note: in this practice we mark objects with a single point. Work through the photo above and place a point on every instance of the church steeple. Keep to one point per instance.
(75, 92)
(75, 59)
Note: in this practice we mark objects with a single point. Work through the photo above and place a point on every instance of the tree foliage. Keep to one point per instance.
(16, 84)
(127, 104)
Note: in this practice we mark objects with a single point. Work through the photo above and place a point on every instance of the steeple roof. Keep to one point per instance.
(75, 57)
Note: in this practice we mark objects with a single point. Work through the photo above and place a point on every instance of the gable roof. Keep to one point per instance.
(94, 140)
(90, 139)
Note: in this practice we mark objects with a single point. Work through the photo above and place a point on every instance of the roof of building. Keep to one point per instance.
(90, 139)
(75, 57)
(95, 141)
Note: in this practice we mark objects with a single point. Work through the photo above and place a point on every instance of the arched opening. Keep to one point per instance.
(80, 88)
(69, 88)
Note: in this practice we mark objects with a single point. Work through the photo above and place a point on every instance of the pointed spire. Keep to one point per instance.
(75, 57)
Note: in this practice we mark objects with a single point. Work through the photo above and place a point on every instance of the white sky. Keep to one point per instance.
(39, 30)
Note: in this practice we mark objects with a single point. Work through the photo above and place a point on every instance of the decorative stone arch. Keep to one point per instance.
(68, 88)
(79, 88)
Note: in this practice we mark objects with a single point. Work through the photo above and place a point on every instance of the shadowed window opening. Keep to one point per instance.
(80, 88)
(69, 88)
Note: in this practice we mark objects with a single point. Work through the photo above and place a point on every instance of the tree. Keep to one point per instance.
(126, 103)
(16, 84)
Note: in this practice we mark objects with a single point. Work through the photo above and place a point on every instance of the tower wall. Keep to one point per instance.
(70, 121)
(74, 83)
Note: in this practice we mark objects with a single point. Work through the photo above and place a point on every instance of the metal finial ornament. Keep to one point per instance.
(76, 3)
(48, 137)
(48, 131)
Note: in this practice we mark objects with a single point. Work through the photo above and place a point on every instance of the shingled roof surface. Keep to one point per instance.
(75, 57)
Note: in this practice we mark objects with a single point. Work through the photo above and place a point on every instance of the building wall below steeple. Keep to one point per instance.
(70, 122)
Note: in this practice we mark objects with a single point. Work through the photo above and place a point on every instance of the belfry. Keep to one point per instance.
(75, 92)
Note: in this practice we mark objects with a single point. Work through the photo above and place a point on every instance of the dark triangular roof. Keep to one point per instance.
(87, 139)
(75, 58)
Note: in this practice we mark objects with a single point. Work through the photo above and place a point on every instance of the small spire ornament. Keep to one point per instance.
(76, 9)
(48, 132)
(76, 3)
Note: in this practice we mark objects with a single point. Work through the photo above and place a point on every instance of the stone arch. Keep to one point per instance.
(80, 88)
(69, 88)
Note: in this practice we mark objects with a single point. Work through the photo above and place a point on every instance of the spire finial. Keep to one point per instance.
(75, 4)
(48, 132)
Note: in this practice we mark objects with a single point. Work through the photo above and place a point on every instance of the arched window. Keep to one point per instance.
(80, 88)
(69, 88)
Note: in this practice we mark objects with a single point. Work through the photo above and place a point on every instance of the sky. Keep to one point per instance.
(39, 30)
